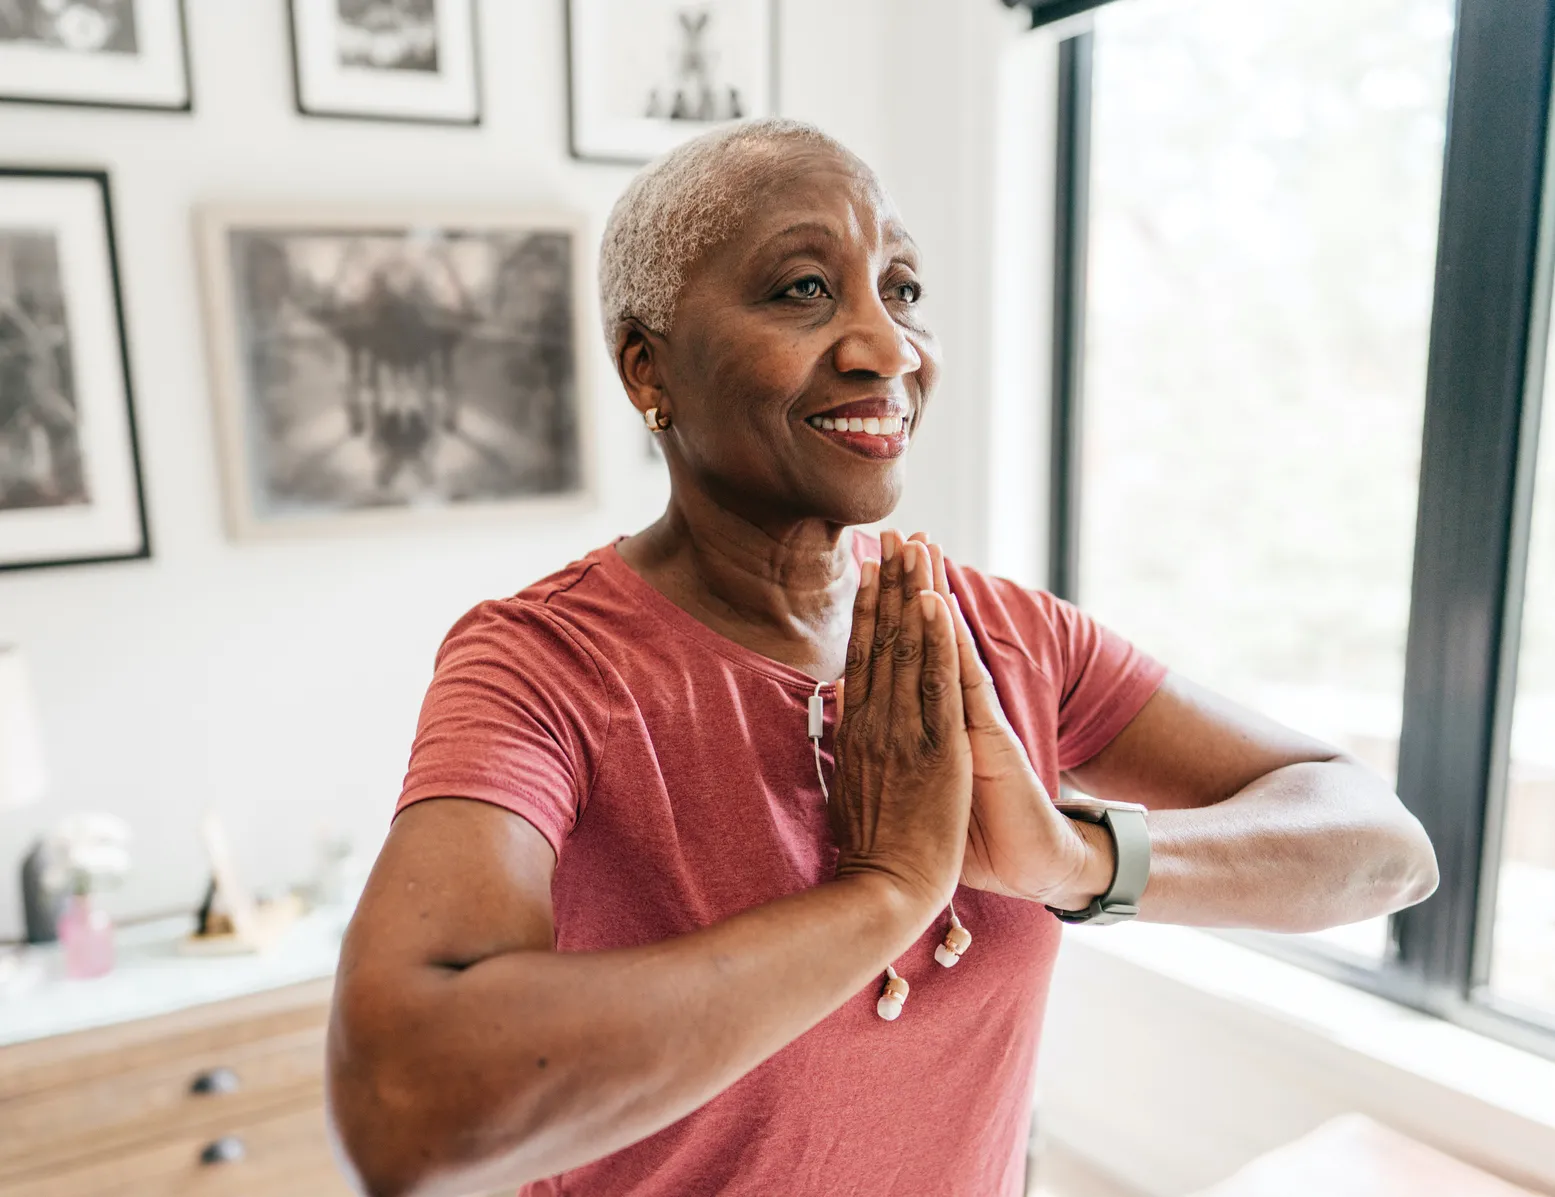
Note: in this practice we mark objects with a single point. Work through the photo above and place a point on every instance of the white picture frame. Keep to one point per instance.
(97, 53)
(396, 368)
(416, 61)
(70, 477)
(643, 76)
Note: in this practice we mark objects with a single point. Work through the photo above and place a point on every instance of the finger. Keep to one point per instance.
(939, 683)
(979, 698)
(856, 671)
(917, 569)
(888, 616)
(941, 578)
(907, 673)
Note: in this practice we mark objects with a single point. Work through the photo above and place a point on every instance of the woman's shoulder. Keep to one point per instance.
(1031, 622)
(558, 617)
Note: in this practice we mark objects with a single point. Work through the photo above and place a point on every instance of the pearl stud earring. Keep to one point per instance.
(957, 940)
(654, 421)
(889, 1007)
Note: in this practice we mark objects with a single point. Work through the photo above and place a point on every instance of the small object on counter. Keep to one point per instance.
(86, 932)
(262, 928)
(41, 906)
(83, 855)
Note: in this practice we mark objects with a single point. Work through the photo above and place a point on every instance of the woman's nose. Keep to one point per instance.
(873, 343)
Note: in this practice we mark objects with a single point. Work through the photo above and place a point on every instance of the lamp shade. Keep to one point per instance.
(22, 775)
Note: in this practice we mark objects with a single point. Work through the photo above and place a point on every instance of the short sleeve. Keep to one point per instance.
(1106, 682)
(516, 715)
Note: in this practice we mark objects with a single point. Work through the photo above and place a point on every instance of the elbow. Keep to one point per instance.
(404, 1122)
(1404, 871)
(1422, 875)
(383, 1130)
(369, 1138)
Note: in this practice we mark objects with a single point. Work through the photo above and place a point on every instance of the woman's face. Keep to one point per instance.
(799, 366)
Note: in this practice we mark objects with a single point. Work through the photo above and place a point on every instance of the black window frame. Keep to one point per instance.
(1495, 265)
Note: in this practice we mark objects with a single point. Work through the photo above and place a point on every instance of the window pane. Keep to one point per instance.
(1523, 946)
(1265, 190)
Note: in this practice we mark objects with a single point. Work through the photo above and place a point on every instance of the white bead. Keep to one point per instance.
(889, 1007)
(945, 956)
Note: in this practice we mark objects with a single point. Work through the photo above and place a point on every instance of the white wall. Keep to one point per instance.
(279, 683)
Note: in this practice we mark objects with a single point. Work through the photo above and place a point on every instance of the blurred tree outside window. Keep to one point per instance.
(1265, 191)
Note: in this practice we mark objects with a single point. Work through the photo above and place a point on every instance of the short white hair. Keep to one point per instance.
(682, 205)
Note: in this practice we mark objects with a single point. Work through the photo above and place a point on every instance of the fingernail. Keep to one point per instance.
(868, 571)
(909, 554)
(930, 607)
(887, 545)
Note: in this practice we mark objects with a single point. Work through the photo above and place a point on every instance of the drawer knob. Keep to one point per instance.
(228, 1149)
(216, 1080)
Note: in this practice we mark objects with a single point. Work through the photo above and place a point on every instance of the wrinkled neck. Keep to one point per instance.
(782, 588)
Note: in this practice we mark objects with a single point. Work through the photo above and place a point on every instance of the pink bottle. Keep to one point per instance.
(86, 932)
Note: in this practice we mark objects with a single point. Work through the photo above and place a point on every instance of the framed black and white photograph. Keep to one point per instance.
(646, 75)
(399, 60)
(394, 368)
(104, 53)
(70, 484)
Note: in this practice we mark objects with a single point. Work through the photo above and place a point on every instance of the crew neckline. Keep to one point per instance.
(688, 625)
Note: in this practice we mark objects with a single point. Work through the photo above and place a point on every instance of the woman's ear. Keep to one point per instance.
(639, 363)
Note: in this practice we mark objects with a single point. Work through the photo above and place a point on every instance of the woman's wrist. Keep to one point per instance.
(904, 911)
(1093, 878)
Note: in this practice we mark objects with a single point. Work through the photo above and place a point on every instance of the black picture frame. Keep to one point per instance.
(184, 61)
(142, 551)
(394, 118)
(579, 154)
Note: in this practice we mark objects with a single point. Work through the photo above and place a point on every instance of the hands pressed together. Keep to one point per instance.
(933, 786)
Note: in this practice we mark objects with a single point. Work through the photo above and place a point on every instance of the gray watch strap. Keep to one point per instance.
(1125, 822)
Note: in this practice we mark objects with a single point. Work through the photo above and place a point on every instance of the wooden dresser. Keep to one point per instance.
(221, 1098)
(197, 1076)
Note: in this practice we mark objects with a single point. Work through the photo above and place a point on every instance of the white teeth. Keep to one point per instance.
(873, 425)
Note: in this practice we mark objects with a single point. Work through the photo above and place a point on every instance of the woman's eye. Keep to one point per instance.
(906, 292)
(809, 287)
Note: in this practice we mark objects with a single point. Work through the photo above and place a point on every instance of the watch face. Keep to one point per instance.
(1085, 807)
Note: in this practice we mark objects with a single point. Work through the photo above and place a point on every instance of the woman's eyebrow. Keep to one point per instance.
(809, 226)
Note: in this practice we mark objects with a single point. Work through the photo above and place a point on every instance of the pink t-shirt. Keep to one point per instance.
(669, 769)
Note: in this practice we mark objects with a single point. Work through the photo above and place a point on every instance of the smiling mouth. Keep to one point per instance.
(878, 436)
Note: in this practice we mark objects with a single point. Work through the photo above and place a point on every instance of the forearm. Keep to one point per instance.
(528, 1063)
(1302, 848)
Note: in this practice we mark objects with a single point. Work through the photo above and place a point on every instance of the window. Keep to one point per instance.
(1264, 190)
(1522, 967)
(1304, 276)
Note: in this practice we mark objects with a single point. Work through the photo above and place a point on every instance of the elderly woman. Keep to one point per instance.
(655, 917)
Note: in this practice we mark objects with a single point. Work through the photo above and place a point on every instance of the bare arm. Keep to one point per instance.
(465, 1053)
(493, 1059)
(1255, 825)
(1251, 824)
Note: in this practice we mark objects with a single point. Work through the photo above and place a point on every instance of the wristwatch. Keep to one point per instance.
(1125, 822)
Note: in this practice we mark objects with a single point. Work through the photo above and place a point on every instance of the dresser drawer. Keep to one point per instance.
(283, 1154)
(164, 1097)
(105, 1092)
